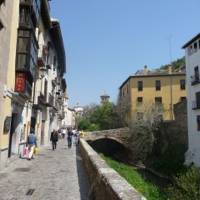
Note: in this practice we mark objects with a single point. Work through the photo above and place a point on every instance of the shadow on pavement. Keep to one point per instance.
(82, 177)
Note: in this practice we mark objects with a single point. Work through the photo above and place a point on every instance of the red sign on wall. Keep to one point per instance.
(20, 83)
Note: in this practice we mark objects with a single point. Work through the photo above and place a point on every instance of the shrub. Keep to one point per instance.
(84, 124)
(187, 186)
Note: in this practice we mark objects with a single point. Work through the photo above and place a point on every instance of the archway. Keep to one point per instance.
(111, 148)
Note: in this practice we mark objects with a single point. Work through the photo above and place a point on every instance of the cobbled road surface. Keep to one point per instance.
(51, 175)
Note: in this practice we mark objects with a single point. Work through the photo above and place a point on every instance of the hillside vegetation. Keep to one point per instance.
(176, 65)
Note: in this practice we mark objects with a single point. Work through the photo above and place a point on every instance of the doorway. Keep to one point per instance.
(12, 131)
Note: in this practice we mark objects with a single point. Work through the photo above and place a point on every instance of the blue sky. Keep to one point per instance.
(108, 40)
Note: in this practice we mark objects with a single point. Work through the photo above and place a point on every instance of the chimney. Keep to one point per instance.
(145, 70)
(169, 69)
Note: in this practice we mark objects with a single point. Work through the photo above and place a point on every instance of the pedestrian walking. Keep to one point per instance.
(69, 138)
(76, 137)
(63, 131)
(54, 139)
(31, 143)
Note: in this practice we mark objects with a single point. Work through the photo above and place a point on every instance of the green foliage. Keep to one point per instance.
(83, 124)
(171, 161)
(176, 65)
(187, 186)
(150, 191)
(100, 117)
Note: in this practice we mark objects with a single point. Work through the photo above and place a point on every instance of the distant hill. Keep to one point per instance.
(176, 65)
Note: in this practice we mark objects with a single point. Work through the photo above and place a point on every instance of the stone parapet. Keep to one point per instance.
(105, 182)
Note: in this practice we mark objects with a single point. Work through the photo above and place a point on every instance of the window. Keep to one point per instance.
(140, 115)
(183, 99)
(182, 84)
(1, 25)
(140, 86)
(190, 50)
(198, 100)
(1, 2)
(158, 85)
(23, 45)
(54, 61)
(198, 122)
(195, 46)
(196, 73)
(139, 100)
(158, 100)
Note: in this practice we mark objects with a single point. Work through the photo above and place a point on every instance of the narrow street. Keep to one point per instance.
(56, 175)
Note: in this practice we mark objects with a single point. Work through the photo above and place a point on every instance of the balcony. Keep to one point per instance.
(26, 53)
(34, 6)
(195, 105)
(195, 80)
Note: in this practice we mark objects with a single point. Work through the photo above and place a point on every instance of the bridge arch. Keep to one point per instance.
(110, 146)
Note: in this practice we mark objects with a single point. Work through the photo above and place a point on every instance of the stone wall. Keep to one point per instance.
(120, 135)
(105, 183)
(172, 135)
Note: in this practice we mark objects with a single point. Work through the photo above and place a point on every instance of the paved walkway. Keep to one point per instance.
(52, 175)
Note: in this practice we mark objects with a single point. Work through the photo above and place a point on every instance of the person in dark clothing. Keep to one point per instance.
(54, 139)
(69, 138)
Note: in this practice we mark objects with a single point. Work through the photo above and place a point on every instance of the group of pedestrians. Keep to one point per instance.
(72, 136)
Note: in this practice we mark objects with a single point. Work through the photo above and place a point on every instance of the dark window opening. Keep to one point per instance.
(182, 84)
(158, 100)
(158, 85)
(54, 61)
(140, 86)
(1, 2)
(183, 98)
(195, 46)
(196, 73)
(45, 89)
(140, 99)
(198, 100)
(198, 122)
(1, 25)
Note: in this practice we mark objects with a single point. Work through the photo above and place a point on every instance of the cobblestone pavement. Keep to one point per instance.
(52, 175)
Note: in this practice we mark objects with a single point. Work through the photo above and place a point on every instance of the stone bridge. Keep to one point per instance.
(112, 143)
(119, 135)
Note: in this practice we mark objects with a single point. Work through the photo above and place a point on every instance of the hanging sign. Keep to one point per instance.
(20, 83)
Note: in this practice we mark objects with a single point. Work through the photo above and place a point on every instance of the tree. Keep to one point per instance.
(142, 132)
(101, 117)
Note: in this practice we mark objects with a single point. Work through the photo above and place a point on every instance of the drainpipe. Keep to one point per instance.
(171, 92)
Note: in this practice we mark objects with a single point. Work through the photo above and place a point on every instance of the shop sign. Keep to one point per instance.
(20, 82)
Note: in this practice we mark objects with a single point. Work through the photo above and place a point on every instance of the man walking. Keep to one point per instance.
(54, 139)
(32, 143)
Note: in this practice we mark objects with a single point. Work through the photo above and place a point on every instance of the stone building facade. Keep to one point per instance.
(146, 89)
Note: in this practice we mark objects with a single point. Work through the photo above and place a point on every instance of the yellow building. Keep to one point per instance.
(147, 89)
(8, 36)
(32, 67)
